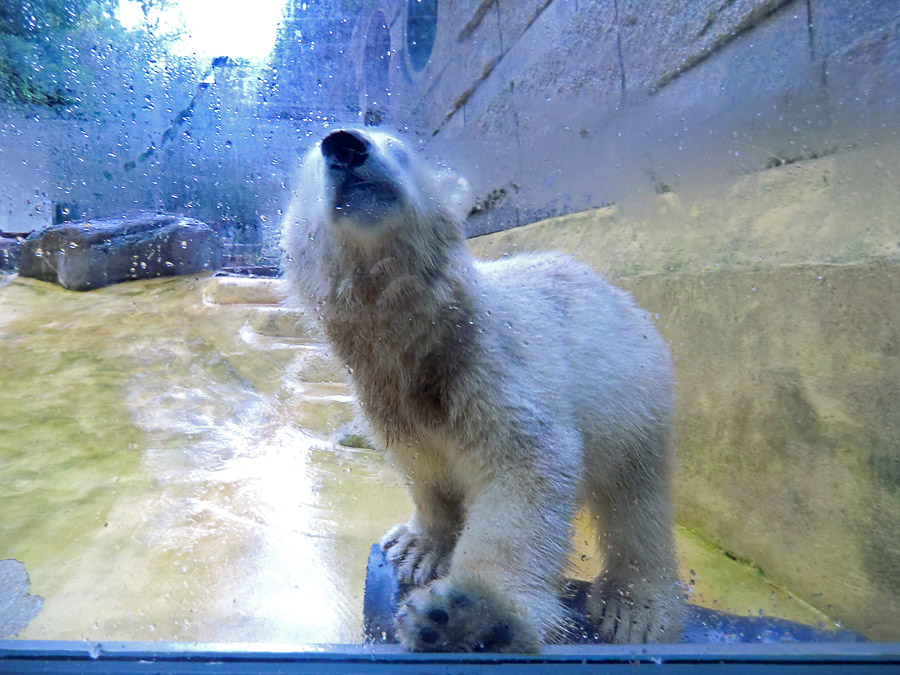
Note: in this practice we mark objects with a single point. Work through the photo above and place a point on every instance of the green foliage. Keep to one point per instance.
(37, 64)
(35, 17)
(20, 67)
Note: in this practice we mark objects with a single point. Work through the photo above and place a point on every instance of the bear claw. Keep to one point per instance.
(416, 557)
(635, 615)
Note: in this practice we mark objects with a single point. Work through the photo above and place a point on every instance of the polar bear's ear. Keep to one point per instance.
(458, 197)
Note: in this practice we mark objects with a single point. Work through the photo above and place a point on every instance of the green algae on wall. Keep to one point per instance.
(785, 386)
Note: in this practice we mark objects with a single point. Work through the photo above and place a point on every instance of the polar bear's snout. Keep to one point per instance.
(360, 177)
(345, 149)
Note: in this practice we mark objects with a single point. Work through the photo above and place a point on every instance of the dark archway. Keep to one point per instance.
(376, 62)
(421, 29)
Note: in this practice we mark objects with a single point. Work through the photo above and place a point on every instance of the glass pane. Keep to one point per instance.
(242, 337)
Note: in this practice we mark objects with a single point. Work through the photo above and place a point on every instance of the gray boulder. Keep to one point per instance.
(95, 253)
(10, 249)
(18, 607)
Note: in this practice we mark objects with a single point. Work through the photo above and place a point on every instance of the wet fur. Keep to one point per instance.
(508, 393)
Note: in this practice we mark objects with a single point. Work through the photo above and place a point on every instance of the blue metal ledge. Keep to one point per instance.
(728, 645)
(132, 657)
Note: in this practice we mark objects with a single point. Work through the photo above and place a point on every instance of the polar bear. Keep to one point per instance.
(508, 393)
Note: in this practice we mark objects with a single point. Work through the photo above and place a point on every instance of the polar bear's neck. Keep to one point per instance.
(397, 315)
(397, 268)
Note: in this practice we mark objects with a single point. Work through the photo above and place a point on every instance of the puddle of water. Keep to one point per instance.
(164, 474)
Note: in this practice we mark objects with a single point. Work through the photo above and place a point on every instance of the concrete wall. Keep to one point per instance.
(552, 106)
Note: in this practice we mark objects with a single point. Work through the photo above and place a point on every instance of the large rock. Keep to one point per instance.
(18, 607)
(10, 249)
(95, 253)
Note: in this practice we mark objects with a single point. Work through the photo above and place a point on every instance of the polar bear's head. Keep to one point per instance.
(365, 192)
(367, 178)
(371, 179)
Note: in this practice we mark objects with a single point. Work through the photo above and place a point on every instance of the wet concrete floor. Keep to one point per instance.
(169, 471)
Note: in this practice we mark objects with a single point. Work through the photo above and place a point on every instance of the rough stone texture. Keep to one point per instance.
(10, 252)
(661, 40)
(785, 328)
(864, 83)
(92, 254)
(836, 23)
(519, 48)
(551, 107)
(498, 128)
(18, 607)
(451, 82)
(756, 103)
(545, 93)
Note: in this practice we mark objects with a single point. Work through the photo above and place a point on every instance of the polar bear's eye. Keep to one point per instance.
(400, 155)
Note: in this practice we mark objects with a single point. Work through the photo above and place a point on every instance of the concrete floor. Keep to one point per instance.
(169, 472)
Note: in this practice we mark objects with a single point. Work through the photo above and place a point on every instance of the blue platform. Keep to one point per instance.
(702, 625)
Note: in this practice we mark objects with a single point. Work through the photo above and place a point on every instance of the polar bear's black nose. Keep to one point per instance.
(345, 148)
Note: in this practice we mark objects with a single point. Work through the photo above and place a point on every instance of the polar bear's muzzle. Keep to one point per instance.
(361, 183)
(345, 149)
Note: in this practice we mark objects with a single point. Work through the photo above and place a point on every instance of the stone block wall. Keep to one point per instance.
(552, 106)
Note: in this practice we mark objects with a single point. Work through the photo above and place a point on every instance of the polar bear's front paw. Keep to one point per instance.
(454, 616)
(416, 557)
(629, 616)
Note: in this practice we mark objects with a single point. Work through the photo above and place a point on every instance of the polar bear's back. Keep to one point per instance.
(593, 353)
